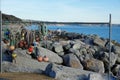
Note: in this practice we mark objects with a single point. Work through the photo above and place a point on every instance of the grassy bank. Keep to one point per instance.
(24, 76)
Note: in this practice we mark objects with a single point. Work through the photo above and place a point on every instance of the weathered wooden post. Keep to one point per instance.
(0, 42)
(110, 30)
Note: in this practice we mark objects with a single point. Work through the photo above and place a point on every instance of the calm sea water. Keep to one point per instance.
(102, 31)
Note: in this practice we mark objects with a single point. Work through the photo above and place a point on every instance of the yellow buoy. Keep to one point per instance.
(14, 55)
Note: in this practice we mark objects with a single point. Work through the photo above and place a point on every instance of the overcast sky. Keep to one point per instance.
(63, 10)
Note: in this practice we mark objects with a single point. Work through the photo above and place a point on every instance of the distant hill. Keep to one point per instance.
(6, 17)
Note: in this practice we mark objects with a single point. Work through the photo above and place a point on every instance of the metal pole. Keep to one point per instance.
(110, 30)
(0, 42)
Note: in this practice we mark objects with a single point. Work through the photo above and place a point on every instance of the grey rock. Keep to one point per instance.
(46, 44)
(21, 52)
(24, 64)
(85, 57)
(66, 73)
(76, 46)
(88, 41)
(91, 51)
(107, 45)
(66, 47)
(118, 60)
(83, 51)
(105, 59)
(96, 76)
(53, 57)
(79, 41)
(116, 69)
(99, 42)
(92, 65)
(96, 48)
(71, 60)
(57, 47)
(116, 49)
(76, 52)
(61, 53)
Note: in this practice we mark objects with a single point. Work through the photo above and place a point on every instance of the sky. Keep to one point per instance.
(63, 10)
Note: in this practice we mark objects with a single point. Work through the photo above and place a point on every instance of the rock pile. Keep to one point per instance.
(80, 57)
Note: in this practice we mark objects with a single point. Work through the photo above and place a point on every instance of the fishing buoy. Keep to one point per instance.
(21, 44)
(30, 49)
(46, 59)
(12, 47)
(29, 52)
(5, 41)
(35, 43)
(23, 34)
(24, 42)
(14, 55)
(40, 59)
(21, 41)
(26, 46)
(7, 33)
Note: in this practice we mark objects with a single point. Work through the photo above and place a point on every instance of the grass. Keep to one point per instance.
(24, 76)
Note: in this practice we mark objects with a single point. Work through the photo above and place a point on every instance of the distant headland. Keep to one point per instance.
(14, 19)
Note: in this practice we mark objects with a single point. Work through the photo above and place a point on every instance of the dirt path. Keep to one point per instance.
(23, 76)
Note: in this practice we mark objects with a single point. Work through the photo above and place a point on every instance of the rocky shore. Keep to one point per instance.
(72, 57)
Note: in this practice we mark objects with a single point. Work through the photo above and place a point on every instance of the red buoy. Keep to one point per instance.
(30, 49)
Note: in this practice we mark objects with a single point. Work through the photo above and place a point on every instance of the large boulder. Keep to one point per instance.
(71, 60)
(24, 64)
(60, 72)
(67, 73)
(99, 42)
(92, 65)
(53, 57)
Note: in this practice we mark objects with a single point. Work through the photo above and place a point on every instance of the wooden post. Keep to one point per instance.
(110, 30)
(0, 42)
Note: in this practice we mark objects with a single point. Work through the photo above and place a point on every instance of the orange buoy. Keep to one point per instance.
(12, 47)
(40, 59)
(46, 59)
(30, 49)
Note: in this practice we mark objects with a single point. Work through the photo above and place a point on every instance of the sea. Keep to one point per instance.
(100, 30)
